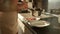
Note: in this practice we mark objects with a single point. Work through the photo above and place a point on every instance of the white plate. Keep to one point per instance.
(40, 23)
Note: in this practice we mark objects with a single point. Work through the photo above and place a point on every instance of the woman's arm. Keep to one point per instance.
(8, 19)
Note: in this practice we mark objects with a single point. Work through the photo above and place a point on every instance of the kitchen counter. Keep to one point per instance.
(54, 28)
(26, 15)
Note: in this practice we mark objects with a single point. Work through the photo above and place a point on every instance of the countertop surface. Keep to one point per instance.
(54, 28)
(27, 15)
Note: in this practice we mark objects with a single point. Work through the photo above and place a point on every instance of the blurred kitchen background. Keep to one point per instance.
(39, 16)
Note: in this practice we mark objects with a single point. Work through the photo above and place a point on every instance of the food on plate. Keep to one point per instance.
(29, 19)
